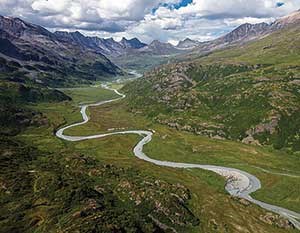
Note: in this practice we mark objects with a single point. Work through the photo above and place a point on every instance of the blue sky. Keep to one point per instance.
(279, 4)
(176, 5)
(184, 3)
(165, 20)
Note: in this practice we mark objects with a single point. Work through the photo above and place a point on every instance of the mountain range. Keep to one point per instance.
(108, 46)
(48, 58)
(113, 48)
(248, 32)
(45, 58)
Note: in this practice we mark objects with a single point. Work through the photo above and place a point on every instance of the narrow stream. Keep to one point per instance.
(239, 183)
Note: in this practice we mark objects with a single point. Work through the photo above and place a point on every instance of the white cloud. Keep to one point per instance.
(237, 22)
(207, 19)
(147, 19)
(51, 7)
(239, 8)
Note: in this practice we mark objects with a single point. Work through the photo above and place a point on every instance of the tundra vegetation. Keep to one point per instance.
(99, 186)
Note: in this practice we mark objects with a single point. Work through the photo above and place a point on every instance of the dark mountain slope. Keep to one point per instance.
(245, 32)
(49, 60)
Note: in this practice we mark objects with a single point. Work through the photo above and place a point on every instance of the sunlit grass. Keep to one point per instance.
(208, 194)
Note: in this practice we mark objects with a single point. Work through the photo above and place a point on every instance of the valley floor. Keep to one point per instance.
(278, 172)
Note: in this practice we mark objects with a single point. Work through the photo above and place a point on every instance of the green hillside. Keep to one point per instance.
(248, 93)
(48, 186)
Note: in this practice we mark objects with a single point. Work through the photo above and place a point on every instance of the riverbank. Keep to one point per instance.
(239, 183)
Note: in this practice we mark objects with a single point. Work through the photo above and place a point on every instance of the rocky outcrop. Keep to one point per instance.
(273, 219)
(268, 126)
(251, 141)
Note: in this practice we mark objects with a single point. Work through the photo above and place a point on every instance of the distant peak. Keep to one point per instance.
(187, 43)
(132, 43)
(78, 33)
(156, 42)
(124, 40)
(249, 26)
(245, 24)
(134, 39)
(159, 43)
(130, 40)
(16, 19)
(187, 40)
(10, 18)
(6, 17)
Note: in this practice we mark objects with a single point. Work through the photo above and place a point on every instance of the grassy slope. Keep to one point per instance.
(234, 90)
(280, 51)
(89, 94)
(208, 196)
(141, 62)
(52, 186)
(170, 144)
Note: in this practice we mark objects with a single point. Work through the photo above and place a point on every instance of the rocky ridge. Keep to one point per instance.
(45, 58)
